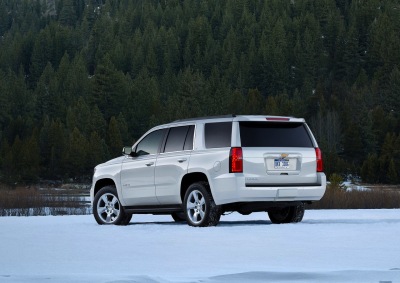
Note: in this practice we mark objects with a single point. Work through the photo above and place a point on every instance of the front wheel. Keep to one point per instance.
(199, 207)
(290, 214)
(107, 209)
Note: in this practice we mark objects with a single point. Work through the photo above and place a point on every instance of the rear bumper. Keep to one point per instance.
(231, 188)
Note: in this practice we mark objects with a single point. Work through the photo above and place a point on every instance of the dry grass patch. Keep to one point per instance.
(336, 198)
(32, 202)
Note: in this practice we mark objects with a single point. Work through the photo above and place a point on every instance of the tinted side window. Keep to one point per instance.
(150, 143)
(218, 134)
(189, 139)
(176, 139)
(267, 134)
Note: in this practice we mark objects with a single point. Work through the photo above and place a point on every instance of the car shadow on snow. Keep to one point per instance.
(244, 223)
(220, 224)
(228, 223)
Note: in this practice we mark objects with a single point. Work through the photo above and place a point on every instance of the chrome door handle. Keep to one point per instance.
(149, 164)
(181, 160)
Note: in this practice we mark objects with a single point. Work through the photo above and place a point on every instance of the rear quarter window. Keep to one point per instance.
(218, 134)
(271, 134)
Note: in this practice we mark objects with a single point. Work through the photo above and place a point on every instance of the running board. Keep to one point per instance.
(153, 209)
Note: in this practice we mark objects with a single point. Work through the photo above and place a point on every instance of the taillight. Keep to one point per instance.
(236, 160)
(320, 165)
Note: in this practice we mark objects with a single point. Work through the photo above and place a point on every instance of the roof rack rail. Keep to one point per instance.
(204, 118)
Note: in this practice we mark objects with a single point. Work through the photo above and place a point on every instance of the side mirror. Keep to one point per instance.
(127, 150)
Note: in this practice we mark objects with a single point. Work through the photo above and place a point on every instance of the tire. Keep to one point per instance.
(107, 209)
(178, 216)
(125, 221)
(199, 207)
(290, 214)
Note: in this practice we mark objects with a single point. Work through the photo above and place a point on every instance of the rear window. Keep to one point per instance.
(269, 134)
(176, 139)
(218, 134)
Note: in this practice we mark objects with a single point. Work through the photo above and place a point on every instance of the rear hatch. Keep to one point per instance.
(277, 154)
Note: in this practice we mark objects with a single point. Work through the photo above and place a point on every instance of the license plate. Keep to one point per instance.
(281, 163)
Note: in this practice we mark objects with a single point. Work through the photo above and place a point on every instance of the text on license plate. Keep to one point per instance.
(281, 163)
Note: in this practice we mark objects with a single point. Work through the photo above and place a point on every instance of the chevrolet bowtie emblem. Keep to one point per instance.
(284, 155)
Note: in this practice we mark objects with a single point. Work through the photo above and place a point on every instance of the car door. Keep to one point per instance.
(137, 174)
(172, 164)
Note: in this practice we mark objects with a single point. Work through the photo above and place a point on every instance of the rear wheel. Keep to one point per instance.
(107, 209)
(199, 207)
(290, 214)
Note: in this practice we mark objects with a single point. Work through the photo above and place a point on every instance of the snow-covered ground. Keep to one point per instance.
(328, 246)
(350, 187)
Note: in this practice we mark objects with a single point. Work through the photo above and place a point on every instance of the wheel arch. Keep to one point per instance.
(191, 178)
(102, 183)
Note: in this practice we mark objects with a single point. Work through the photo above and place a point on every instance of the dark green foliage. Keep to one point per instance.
(114, 138)
(80, 79)
(68, 13)
(97, 150)
(75, 154)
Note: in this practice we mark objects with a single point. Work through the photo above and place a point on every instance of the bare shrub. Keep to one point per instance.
(335, 198)
(336, 181)
(33, 202)
(18, 202)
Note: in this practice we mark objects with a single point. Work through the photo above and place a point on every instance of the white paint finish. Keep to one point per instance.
(137, 180)
(170, 169)
(259, 165)
(141, 184)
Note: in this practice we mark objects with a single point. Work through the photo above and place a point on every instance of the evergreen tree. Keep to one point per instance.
(237, 102)
(97, 123)
(30, 159)
(123, 129)
(392, 94)
(6, 161)
(58, 143)
(68, 14)
(75, 154)
(370, 169)
(42, 54)
(4, 18)
(46, 92)
(255, 102)
(108, 87)
(352, 143)
(4, 101)
(392, 174)
(97, 150)
(76, 64)
(77, 82)
(114, 138)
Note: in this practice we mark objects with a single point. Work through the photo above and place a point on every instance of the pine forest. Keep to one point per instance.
(79, 79)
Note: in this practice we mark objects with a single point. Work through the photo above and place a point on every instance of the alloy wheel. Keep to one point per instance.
(108, 208)
(196, 206)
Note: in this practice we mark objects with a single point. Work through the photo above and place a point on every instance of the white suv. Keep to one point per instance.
(198, 169)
